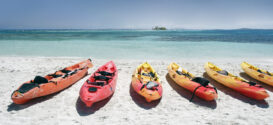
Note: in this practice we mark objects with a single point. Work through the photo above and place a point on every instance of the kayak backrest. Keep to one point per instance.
(202, 81)
(95, 83)
(40, 80)
(223, 72)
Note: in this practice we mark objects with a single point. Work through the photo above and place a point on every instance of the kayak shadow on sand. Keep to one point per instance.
(140, 101)
(83, 110)
(188, 94)
(17, 107)
(247, 77)
(236, 95)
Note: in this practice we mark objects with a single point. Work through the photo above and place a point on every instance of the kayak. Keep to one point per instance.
(258, 74)
(51, 83)
(198, 85)
(146, 82)
(246, 88)
(100, 85)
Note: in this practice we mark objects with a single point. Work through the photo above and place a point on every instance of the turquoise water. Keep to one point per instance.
(138, 44)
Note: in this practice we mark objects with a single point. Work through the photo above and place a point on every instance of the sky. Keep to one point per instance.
(136, 14)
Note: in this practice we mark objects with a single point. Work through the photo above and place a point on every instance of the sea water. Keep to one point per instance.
(138, 44)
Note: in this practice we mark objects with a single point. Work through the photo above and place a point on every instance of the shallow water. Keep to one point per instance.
(138, 44)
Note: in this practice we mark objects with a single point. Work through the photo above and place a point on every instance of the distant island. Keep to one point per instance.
(159, 28)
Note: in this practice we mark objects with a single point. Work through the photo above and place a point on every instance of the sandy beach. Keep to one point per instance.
(125, 106)
(40, 38)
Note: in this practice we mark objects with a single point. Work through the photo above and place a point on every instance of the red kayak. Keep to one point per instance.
(100, 85)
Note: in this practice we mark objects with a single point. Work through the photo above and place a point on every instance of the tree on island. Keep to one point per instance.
(159, 28)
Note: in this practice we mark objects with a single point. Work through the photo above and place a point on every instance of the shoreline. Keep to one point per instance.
(188, 60)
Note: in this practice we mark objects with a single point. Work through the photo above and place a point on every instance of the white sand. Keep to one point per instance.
(125, 106)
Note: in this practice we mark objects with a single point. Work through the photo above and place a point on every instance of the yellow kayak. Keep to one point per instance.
(199, 86)
(146, 82)
(259, 74)
(249, 89)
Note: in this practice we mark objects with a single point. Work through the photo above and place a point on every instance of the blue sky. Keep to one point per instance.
(135, 14)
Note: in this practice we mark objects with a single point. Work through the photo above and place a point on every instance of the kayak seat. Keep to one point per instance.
(40, 80)
(179, 72)
(34, 83)
(145, 74)
(26, 87)
(152, 74)
(251, 83)
(101, 78)
(260, 71)
(104, 73)
(65, 71)
(151, 85)
(73, 72)
(70, 73)
(104, 78)
(185, 74)
(223, 72)
(96, 83)
(202, 81)
(54, 75)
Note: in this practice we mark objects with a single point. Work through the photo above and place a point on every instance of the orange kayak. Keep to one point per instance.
(146, 82)
(199, 86)
(52, 83)
(246, 88)
(100, 85)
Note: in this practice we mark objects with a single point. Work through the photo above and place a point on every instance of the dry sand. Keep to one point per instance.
(125, 106)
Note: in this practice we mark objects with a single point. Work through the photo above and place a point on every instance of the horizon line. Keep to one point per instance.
(133, 29)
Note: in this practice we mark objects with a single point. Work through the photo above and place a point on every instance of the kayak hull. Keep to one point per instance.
(236, 83)
(54, 85)
(137, 85)
(252, 72)
(207, 93)
(102, 92)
